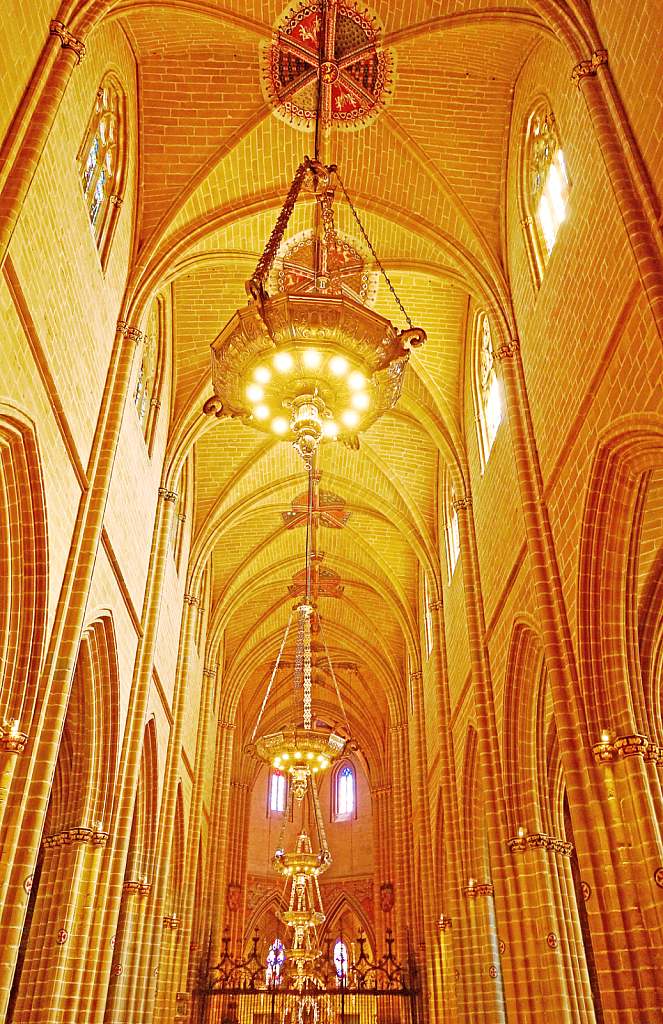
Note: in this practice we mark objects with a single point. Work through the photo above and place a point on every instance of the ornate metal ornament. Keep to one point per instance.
(325, 56)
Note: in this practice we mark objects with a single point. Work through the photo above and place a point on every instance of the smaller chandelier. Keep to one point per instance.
(320, 355)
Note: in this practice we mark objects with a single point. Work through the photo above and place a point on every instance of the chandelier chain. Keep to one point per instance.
(338, 692)
(375, 255)
(287, 630)
(266, 260)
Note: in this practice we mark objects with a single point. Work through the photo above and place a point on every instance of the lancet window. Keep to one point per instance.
(101, 161)
(488, 399)
(546, 184)
(341, 960)
(275, 961)
(428, 623)
(145, 397)
(277, 792)
(452, 532)
(344, 792)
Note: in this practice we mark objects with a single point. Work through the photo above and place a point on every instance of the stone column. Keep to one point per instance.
(625, 960)
(428, 880)
(219, 828)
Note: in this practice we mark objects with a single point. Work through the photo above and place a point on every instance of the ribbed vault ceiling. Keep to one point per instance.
(428, 178)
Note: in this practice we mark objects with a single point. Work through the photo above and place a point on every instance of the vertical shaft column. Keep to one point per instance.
(628, 977)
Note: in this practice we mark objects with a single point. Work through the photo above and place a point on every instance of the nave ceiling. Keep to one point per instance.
(428, 177)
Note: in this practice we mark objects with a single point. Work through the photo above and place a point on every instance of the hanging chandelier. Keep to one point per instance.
(311, 363)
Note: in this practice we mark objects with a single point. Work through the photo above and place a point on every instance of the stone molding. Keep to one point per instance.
(462, 504)
(508, 349)
(68, 41)
(190, 599)
(484, 889)
(589, 67)
(539, 841)
(167, 495)
(136, 888)
(75, 835)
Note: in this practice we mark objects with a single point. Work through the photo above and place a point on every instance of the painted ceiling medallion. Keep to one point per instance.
(332, 46)
(295, 267)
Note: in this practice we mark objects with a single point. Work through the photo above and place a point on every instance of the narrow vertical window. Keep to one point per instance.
(101, 161)
(277, 792)
(546, 185)
(145, 398)
(452, 532)
(488, 400)
(275, 961)
(428, 624)
(344, 793)
(341, 961)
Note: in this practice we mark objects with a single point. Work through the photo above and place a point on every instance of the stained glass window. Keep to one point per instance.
(277, 792)
(144, 395)
(489, 413)
(341, 960)
(548, 180)
(345, 791)
(275, 961)
(100, 158)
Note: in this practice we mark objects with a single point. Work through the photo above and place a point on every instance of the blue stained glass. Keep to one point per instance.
(341, 960)
(345, 791)
(98, 197)
(91, 164)
(275, 961)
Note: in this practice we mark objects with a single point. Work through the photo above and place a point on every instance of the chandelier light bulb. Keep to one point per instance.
(283, 361)
(261, 412)
(254, 393)
(330, 428)
(311, 358)
(605, 736)
(262, 374)
(338, 365)
(361, 400)
(350, 418)
(279, 425)
(357, 380)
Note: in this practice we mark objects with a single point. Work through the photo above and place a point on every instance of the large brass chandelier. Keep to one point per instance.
(312, 363)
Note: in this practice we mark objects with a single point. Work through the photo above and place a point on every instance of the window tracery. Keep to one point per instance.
(101, 161)
(546, 184)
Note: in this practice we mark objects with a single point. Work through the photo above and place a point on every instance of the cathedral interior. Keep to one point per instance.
(331, 518)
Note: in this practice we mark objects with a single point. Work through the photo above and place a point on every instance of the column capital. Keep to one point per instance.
(167, 495)
(191, 599)
(589, 67)
(508, 349)
(462, 503)
(68, 41)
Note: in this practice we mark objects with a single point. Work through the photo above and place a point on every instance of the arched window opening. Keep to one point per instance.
(344, 793)
(145, 397)
(488, 397)
(428, 623)
(275, 961)
(177, 532)
(101, 161)
(341, 961)
(452, 534)
(278, 791)
(546, 184)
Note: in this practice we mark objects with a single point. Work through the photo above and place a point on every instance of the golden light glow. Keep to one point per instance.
(283, 361)
(330, 428)
(262, 374)
(311, 358)
(254, 393)
(338, 365)
(361, 400)
(350, 418)
(261, 412)
(357, 380)
(279, 425)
